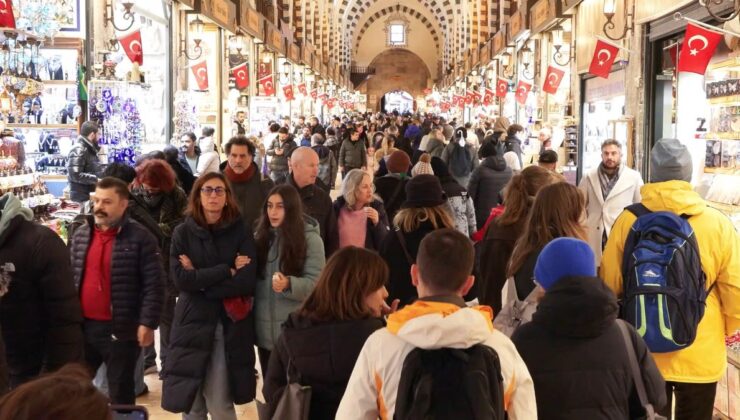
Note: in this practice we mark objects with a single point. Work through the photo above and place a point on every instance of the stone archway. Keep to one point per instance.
(397, 100)
(397, 69)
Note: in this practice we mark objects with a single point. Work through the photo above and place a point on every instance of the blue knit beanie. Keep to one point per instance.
(564, 257)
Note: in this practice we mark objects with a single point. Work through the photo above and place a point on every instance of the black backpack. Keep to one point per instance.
(460, 164)
(451, 383)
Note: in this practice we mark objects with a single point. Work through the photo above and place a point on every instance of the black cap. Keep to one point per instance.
(424, 191)
(548, 156)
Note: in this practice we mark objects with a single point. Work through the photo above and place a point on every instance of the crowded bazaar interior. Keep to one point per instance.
(369, 209)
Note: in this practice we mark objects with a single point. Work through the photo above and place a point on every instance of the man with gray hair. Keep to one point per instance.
(609, 188)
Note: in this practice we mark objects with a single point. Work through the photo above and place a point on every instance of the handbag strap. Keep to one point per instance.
(636, 374)
(402, 241)
(291, 372)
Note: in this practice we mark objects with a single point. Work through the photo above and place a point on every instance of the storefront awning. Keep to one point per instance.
(544, 14)
(569, 5)
(250, 20)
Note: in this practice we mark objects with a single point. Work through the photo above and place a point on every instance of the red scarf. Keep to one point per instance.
(242, 177)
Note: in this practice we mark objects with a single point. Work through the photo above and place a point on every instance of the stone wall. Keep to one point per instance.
(396, 69)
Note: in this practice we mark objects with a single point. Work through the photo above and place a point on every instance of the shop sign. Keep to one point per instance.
(250, 20)
(189, 3)
(517, 25)
(295, 53)
(543, 14)
(222, 12)
(569, 5)
(274, 39)
(499, 42)
(485, 54)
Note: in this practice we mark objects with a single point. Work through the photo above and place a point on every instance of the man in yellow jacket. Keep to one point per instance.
(692, 373)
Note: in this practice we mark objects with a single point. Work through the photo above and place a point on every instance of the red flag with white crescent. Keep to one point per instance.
(241, 75)
(302, 89)
(444, 106)
(476, 97)
(314, 94)
(131, 44)
(7, 19)
(697, 49)
(288, 92)
(200, 71)
(459, 101)
(502, 87)
(604, 56)
(522, 91)
(552, 80)
(268, 86)
(488, 97)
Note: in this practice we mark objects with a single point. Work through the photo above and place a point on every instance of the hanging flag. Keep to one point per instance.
(324, 98)
(241, 75)
(200, 71)
(268, 87)
(502, 87)
(302, 89)
(314, 94)
(469, 97)
(131, 44)
(697, 49)
(488, 97)
(444, 106)
(288, 92)
(552, 80)
(522, 91)
(604, 56)
(458, 101)
(264, 70)
(7, 19)
(476, 97)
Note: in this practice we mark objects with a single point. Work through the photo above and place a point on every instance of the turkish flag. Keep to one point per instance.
(314, 94)
(302, 89)
(7, 20)
(522, 91)
(459, 101)
(288, 92)
(476, 97)
(200, 71)
(264, 70)
(241, 74)
(131, 44)
(445, 106)
(502, 87)
(604, 56)
(469, 97)
(697, 49)
(488, 97)
(268, 86)
(324, 98)
(552, 80)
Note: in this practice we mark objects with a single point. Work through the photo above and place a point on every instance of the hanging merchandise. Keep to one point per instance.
(502, 87)
(552, 80)
(522, 91)
(131, 44)
(458, 101)
(114, 106)
(604, 56)
(186, 114)
(288, 92)
(241, 75)
(200, 71)
(302, 89)
(698, 49)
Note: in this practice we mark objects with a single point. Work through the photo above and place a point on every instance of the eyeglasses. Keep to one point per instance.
(210, 190)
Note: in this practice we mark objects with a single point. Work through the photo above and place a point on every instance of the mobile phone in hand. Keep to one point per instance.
(129, 412)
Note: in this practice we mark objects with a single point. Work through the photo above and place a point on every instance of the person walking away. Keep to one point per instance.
(513, 143)
(458, 198)
(423, 166)
(593, 352)
(460, 157)
(361, 217)
(83, 165)
(487, 182)
(185, 177)
(213, 261)
(290, 256)
(208, 161)
(352, 154)
(380, 386)
(609, 188)
(321, 340)
(549, 160)
(691, 372)
(280, 151)
(327, 162)
(391, 187)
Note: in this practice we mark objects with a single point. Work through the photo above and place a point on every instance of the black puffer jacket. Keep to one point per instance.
(324, 353)
(575, 353)
(137, 275)
(375, 233)
(40, 315)
(392, 189)
(486, 184)
(200, 308)
(352, 154)
(317, 204)
(83, 169)
(399, 281)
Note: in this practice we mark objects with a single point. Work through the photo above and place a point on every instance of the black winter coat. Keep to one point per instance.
(375, 233)
(575, 353)
(486, 184)
(200, 308)
(40, 315)
(391, 189)
(317, 204)
(399, 280)
(83, 169)
(137, 275)
(250, 196)
(513, 144)
(324, 354)
(495, 252)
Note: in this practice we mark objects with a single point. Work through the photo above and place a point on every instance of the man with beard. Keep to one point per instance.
(118, 271)
(609, 189)
(250, 190)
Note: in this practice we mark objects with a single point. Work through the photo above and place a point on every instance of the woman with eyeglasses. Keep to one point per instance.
(290, 256)
(213, 263)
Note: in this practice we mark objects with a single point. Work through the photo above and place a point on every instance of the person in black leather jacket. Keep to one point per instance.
(83, 164)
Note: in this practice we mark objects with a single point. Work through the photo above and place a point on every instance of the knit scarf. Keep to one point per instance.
(242, 177)
(607, 182)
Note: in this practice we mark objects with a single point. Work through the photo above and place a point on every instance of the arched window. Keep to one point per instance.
(397, 29)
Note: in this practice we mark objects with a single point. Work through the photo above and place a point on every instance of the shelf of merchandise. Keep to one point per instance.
(44, 126)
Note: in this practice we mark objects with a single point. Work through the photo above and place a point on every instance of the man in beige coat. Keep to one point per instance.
(609, 188)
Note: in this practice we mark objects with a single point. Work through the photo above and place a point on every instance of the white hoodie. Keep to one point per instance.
(208, 160)
(372, 388)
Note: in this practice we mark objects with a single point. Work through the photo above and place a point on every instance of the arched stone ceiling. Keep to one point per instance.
(387, 12)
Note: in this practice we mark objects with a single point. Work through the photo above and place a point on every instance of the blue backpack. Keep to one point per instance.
(664, 285)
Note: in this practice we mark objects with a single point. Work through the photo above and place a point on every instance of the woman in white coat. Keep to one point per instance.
(208, 160)
(609, 188)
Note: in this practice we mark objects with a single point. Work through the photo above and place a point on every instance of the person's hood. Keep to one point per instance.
(311, 224)
(675, 196)
(577, 307)
(10, 208)
(434, 325)
(206, 144)
(501, 124)
(497, 163)
(322, 151)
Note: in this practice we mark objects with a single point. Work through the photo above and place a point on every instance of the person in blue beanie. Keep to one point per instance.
(574, 348)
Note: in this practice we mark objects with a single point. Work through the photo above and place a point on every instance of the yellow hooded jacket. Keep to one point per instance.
(719, 249)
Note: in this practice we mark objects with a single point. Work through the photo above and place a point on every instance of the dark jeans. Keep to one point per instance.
(693, 401)
(264, 356)
(119, 357)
